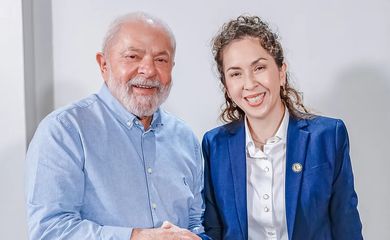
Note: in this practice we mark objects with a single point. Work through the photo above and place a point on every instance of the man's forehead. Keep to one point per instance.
(141, 50)
(142, 25)
(139, 34)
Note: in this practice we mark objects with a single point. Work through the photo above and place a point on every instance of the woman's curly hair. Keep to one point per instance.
(253, 26)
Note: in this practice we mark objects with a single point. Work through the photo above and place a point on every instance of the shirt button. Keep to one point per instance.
(128, 123)
(271, 233)
(154, 206)
(265, 196)
(150, 171)
(266, 169)
(266, 209)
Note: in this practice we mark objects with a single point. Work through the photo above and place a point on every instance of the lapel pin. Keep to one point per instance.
(297, 167)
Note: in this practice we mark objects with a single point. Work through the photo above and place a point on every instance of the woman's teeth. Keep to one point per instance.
(254, 99)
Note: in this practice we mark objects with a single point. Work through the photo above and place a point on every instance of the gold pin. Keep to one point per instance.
(297, 167)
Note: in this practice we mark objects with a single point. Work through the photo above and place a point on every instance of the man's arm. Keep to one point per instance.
(197, 208)
(55, 186)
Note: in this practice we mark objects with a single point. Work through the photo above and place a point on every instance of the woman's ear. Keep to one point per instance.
(227, 93)
(283, 74)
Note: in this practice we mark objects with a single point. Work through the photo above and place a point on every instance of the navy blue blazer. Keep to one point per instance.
(321, 202)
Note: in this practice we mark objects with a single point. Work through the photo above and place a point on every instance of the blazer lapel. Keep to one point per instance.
(297, 140)
(237, 156)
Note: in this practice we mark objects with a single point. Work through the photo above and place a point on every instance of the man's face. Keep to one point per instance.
(138, 67)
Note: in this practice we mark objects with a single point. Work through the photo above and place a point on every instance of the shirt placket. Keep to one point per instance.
(148, 156)
(268, 196)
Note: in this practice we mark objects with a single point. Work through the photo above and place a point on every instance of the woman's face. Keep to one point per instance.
(253, 79)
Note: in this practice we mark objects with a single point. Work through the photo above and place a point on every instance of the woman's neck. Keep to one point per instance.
(262, 129)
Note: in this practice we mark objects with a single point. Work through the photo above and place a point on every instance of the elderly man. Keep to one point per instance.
(114, 165)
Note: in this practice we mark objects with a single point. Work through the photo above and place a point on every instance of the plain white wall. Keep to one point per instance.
(337, 51)
(12, 122)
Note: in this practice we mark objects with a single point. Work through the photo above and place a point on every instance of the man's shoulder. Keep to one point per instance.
(71, 112)
(172, 121)
(177, 129)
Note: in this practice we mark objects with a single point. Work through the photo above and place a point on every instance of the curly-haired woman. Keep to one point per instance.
(274, 171)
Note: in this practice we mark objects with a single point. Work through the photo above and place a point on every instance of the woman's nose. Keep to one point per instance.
(250, 82)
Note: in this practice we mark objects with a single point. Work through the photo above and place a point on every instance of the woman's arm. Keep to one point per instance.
(344, 215)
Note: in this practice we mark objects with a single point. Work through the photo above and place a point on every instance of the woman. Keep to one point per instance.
(274, 171)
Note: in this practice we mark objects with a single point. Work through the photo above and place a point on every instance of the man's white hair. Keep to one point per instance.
(143, 17)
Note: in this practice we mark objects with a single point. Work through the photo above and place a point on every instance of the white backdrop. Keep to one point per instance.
(337, 52)
(12, 122)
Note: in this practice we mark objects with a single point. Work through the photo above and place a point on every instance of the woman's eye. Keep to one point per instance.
(259, 68)
(235, 74)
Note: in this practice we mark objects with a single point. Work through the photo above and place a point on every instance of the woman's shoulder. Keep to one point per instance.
(319, 123)
(225, 129)
(319, 120)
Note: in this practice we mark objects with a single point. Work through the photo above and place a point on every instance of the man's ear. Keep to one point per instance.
(103, 65)
(102, 62)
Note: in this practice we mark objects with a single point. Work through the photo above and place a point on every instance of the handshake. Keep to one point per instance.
(167, 231)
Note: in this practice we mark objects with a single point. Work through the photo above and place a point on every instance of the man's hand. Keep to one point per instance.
(182, 233)
(167, 231)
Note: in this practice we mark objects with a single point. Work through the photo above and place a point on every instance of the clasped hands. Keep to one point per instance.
(167, 231)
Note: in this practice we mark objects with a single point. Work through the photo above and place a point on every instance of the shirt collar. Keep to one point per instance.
(280, 135)
(282, 130)
(121, 113)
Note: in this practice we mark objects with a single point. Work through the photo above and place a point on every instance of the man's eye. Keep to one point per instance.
(162, 60)
(131, 56)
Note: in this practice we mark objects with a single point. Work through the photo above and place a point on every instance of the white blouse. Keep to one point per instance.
(266, 173)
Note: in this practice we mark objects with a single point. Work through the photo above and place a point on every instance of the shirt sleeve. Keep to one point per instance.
(197, 207)
(55, 186)
(343, 205)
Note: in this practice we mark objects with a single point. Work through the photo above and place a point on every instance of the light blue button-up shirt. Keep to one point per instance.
(93, 172)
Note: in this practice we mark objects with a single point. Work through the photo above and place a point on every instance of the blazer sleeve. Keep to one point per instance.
(344, 215)
(212, 220)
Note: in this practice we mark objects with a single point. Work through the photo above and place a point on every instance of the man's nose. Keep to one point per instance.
(147, 67)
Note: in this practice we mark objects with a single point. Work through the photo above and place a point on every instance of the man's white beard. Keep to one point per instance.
(139, 105)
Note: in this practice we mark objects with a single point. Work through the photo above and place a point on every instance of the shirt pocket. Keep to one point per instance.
(182, 195)
(187, 185)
